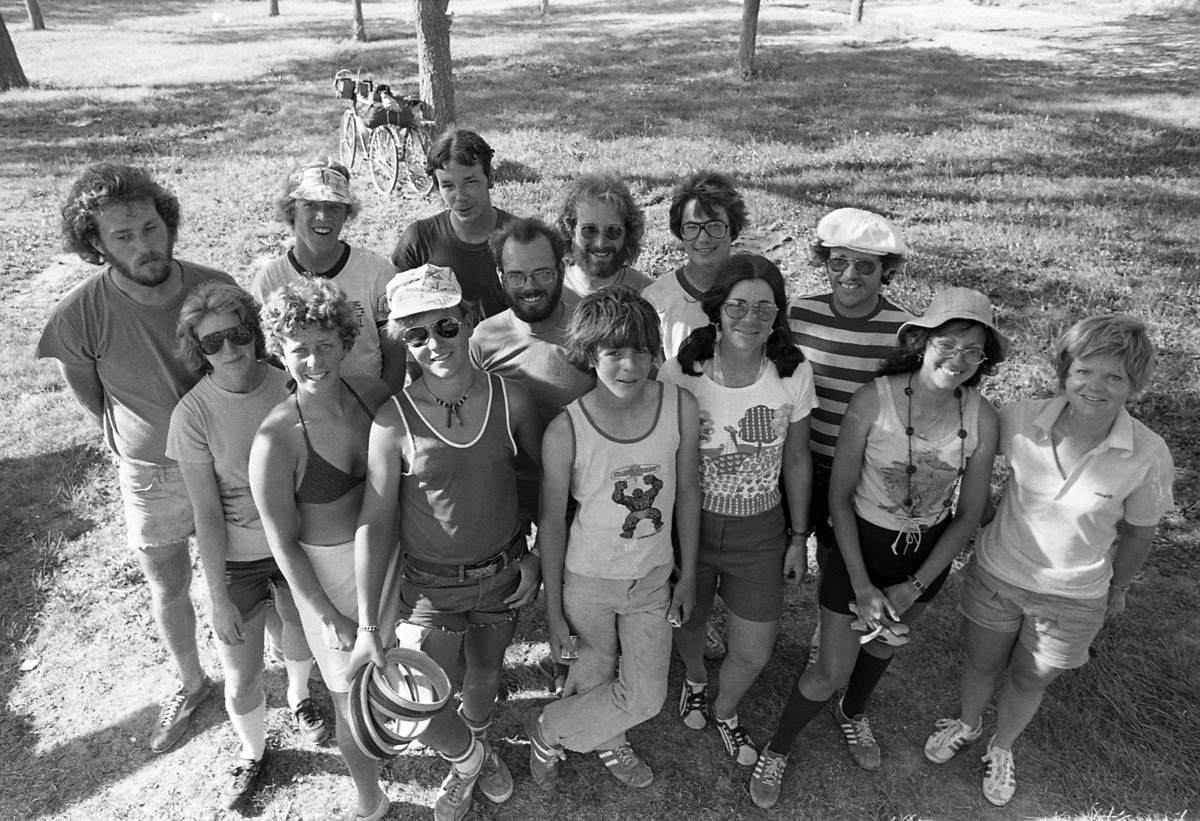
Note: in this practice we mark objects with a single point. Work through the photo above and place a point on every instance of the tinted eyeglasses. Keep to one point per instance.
(418, 335)
(542, 276)
(738, 308)
(211, 344)
(612, 233)
(864, 267)
(946, 348)
(714, 228)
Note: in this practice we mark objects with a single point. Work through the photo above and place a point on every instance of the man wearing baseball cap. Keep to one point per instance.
(316, 204)
(845, 333)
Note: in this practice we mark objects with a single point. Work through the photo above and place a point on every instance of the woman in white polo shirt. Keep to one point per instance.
(1082, 474)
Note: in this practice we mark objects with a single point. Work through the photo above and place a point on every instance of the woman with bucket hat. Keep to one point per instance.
(909, 440)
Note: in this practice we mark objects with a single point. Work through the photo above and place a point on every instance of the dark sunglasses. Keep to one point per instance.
(211, 344)
(864, 267)
(418, 336)
(612, 233)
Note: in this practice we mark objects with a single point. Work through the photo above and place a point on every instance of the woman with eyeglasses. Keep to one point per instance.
(756, 393)
(211, 431)
(307, 467)
(444, 451)
(707, 214)
(1087, 487)
(909, 440)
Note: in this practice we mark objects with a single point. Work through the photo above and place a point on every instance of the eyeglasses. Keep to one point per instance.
(418, 335)
(211, 344)
(864, 267)
(738, 308)
(542, 276)
(947, 349)
(612, 233)
(714, 228)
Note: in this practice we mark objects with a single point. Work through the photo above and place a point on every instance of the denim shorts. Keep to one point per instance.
(251, 585)
(158, 510)
(1054, 629)
(434, 601)
(741, 557)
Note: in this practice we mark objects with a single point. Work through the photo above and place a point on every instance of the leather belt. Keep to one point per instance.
(480, 570)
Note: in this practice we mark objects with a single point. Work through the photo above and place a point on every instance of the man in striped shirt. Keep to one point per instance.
(845, 333)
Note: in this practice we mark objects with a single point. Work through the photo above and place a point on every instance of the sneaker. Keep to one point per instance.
(309, 723)
(859, 739)
(495, 781)
(173, 718)
(543, 757)
(737, 740)
(767, 778)
(693, 705)
(626, 767)
(454, 798)
(999, 778)
(241, 781)
(714, 647)
(814, 645)
(949, 737)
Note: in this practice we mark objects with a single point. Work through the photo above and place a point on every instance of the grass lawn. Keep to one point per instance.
(1046, 152)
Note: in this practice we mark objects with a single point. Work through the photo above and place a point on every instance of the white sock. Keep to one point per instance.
(472, 761)
(251, 729)
(298, 672)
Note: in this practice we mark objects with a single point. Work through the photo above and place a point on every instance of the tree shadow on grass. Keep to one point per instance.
(60, 14)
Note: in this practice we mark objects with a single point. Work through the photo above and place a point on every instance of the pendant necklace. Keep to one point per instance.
(453, 409)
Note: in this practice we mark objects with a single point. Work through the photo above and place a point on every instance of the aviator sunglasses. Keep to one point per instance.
(211, 344)
(612, 233)
(738, 308)
(418, 335)
(864, 267)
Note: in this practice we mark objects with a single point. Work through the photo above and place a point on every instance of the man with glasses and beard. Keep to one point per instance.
(604, 226)
(114, 338)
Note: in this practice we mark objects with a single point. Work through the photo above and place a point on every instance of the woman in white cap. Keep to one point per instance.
(1083, 474)
(444, 451)
(909, 441)
(307, 467)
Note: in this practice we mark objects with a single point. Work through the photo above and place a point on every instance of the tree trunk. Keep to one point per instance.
(11, 75)
(749, 38)
(35, 15)
(360, 26)
(856, 11)
(433, 60)
(273, 8)
(545, 7)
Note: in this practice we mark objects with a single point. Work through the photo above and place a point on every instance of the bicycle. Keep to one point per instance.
(391, 137)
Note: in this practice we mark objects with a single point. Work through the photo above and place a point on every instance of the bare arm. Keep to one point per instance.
(1133, 545)
(395, 361)
(558, 455)
(688, 498)
(527, 434)
(85, 385)
(202, 488)
(797, 484)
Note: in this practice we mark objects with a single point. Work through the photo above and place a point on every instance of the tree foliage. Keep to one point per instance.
(11, 73)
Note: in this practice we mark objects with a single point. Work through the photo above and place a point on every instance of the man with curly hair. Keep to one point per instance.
(114, 338)
(604, 227)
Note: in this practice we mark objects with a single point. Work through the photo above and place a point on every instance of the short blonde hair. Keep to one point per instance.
(1118, 335)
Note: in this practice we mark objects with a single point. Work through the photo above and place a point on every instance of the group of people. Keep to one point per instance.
(371, 451)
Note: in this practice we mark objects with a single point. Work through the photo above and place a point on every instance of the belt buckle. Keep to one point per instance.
(480, 572)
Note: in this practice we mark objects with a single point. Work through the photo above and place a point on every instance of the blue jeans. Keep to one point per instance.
(628, 616)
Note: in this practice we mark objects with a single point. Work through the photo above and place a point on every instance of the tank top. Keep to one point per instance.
(626, 494)
(458, 502)
(323, 481)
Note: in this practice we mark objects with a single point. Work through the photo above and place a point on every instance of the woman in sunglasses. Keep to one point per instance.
(909, 440)
(756, 393)
(211, 431)
(447, 448)
(306, 472)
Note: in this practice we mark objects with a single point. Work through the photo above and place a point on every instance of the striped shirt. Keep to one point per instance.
(845, 353)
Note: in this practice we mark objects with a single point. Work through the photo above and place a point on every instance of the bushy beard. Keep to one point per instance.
(535, 313)
(150, 278)
(600, 268)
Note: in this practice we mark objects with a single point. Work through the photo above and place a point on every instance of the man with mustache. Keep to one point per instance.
(114, 338)
(604, 226)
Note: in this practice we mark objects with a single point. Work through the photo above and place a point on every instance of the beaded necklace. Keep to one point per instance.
(452, 408)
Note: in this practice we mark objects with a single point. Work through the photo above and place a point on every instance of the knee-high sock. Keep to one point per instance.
(796, 714)
(868, 670)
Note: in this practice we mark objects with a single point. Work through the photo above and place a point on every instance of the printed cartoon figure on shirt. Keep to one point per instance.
(640, 501)
(738, 462)
(932, 479)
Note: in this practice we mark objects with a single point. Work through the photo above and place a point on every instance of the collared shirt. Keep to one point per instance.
(1054, 535)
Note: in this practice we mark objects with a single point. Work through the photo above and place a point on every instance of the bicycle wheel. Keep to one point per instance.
(349, 141)
(416, 148)
(385, 158)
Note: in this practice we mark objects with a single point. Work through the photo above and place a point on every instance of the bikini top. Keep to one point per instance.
(324, 482)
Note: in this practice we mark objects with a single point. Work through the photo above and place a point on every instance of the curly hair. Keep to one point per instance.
(609, 189)
(214, 299)
(100, 186)
(710, 190)
(781, 347)
(306, 303)
(1118, 335)
(613, 317)
(525, 232)
(461, 146)
(285, 205)
(909, 352)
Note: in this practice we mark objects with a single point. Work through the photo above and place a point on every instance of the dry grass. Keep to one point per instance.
(1062, 181)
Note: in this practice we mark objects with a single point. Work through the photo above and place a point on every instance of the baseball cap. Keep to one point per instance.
(426, 288)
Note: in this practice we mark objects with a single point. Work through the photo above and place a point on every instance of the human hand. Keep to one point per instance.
(683, 599)
(564, 649)
(795, 563)
(339, 631)
(368, 647)
(227, 622)
(530, 568)
(874, 608)
(1116, 602)
(901, 596)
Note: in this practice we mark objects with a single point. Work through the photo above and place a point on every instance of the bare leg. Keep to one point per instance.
(363, 770)
(243, 666)
(988, 654)
(1027, 681)
(749, 649)
(484, 648)
(447, 733)
(168, 572)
